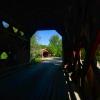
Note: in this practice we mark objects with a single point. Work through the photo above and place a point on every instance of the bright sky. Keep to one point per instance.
(45, 35)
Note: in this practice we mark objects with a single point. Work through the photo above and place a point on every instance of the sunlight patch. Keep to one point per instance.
(77, 95)
(4, 55)
(15, 29)
(5, 24)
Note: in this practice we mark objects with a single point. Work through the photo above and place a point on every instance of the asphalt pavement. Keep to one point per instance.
(43, 81)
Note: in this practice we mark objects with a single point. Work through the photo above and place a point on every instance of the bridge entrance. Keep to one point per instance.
(45, 44)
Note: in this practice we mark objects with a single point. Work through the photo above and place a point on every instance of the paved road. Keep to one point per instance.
(38, 82)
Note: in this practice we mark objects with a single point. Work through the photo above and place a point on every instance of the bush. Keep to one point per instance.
(36, 60)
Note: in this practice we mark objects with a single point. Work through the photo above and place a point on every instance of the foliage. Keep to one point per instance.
(36, 60)
(55, 45)
(35, 48)
(4, 55)
(98, 54)
(43, 46)
(82, 53)
(34, 41)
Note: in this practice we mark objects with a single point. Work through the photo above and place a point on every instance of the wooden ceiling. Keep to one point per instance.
(29, 16)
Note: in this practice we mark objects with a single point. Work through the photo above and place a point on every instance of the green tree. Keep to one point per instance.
(43, 46)
(34, 41)
(55, 45)
(34, 47)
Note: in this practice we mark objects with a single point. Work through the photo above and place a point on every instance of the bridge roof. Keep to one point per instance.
(29, 16)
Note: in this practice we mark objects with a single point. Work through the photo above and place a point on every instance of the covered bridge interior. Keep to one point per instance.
(78, 22)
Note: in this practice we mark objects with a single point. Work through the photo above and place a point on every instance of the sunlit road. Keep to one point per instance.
(44, 81)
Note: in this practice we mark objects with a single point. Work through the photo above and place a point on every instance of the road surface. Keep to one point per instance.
(43, 81)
